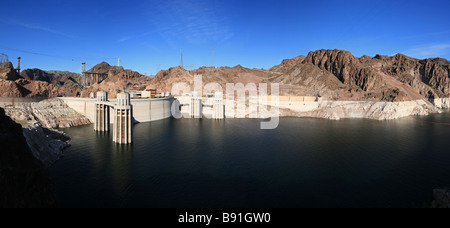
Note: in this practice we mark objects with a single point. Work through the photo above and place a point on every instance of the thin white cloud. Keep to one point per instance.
(195, 21)
(123, 39)
(35, 27)
(429, 51)
(127, 38)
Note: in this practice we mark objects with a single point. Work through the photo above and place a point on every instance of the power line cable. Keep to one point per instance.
(53, 56)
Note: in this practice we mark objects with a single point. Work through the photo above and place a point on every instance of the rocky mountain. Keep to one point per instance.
(334, 75)
(101, 68)
(25, 181)
(118, 79)
(7, 72)
(37, 83)
(331, 74)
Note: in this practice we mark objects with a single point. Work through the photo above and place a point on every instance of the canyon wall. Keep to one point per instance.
(39, 120)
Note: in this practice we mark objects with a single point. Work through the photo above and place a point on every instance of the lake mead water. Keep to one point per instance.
(232, 163)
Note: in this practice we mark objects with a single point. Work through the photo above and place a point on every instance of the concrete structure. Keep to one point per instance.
(196, 107)
(18, 65)
(218, 107)
(89, 79)
(193, 106)
(124, 112)
(144, 110)
(102, 113)
(123, 115)
(149, 93)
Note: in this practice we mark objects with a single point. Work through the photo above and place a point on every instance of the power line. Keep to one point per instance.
(48, 55)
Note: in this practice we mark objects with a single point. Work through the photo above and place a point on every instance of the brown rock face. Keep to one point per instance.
(10, 89)
(118, 79)
(347, 68)
(101, 68)
(36, 75)
(332, 74)
(7, 72)
(38, 83)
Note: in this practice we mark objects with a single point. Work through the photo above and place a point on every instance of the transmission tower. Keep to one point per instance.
(212, 58)
(4, 58)
(181, 62)
(158, 67)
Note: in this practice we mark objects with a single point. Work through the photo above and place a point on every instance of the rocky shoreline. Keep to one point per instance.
(336, 110)
(25, 182)
(47, 145)
(39, 121)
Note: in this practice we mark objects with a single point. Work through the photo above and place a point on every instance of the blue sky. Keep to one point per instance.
(148, 35)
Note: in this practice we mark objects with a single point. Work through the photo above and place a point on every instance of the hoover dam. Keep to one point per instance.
(144, 110)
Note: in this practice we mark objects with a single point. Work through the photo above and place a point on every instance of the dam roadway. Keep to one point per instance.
(144, 110)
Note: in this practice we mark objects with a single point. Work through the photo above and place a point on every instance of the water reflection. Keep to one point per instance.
(232, 163)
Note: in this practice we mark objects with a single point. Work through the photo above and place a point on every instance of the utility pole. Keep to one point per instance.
(118, 62)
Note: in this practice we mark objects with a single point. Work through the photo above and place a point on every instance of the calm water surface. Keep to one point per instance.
(232, 163)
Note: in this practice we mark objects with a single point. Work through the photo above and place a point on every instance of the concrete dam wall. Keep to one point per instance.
(144, 110)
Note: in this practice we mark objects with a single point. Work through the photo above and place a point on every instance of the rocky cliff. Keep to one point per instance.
(47, 145)
(7, 72)
(336, 110)
(118, 79)
(24, 181)
(347, 68)
(52, 113)
(334, 75)
(39, 121)
(37, 83)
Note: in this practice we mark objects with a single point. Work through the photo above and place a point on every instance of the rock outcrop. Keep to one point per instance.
(333, 75)
(442, 103)
(10, 89)
(39, 121)
(347, 68)
(101, 68)
(7, 72)
(47, 145)
(36, 75)
(118, 79)
(336, 110)
(49, 113)
(38, 83)
(24, 181)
